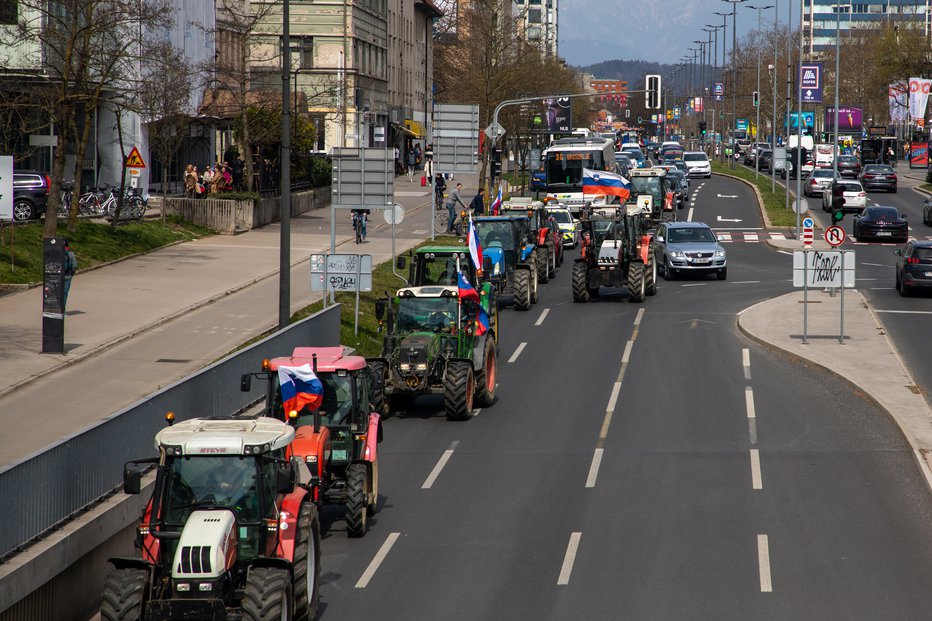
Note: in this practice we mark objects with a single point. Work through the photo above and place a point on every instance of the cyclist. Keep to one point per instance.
(360, 217)
(439, 186)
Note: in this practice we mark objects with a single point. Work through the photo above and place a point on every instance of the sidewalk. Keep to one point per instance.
(885, 378)
(145, 322)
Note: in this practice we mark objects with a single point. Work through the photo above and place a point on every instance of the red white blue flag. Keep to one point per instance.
(496, 205)
(300, 387)
(482, 322)
(475, 246)
(601, 182)
(465, 290)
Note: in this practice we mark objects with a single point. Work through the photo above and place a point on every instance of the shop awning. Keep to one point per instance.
(415, 128)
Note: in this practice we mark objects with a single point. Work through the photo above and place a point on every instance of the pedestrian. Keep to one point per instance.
(412, 163)
(440, 185)
(429, 171)
(891, 156)
(190, 181)
(478, 203)
(451, 205)
(429, 153)
(417, 155)
(70, 267)
(238, 167)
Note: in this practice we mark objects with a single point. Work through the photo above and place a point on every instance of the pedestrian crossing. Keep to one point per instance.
(756, 237)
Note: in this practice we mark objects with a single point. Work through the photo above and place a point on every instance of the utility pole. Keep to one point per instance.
(724, 17)
(714, 29)
(837, 85)
(789, 95)
(284, 251)
(734, 71)
(759, 9)
(799, 120)
(773, 133)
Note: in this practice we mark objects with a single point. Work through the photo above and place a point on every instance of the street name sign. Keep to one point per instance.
(827, 268)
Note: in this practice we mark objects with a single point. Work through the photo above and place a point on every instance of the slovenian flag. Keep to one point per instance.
(496, 205)
(466, 290)
(601, 182)
(475, 247)
(482, 322)
(300, 387)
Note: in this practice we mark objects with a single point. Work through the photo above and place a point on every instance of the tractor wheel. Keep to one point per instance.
(124, 595)
(267, 595)
(377, 392)
(543, 264)
(486, 376)
(307, 563)
(373, 505)
(650, 276)
(522, 290)
(356, 500)
(580, 290)
(667, 216)
(636, 284)
(552, 266)
(534, 276)
(459, 386)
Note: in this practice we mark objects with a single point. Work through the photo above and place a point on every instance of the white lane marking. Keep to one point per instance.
(432, 477)
(860, 279)
(689, 216)
(763, 561)
(476, 411)
(746, 362)
(594, 468)
(568, 560)
(543, 316)
(737, 228)
(752, 430)
(756, 481)
(749, 402)
(379, 557)
(876, 264)
(695, 284)
(613, 399)
(751, 238)
(904, 312)
(882, 288)
(777, 236)
(638, 317)
(517, 353)
(744, 282)
(785, 252)
(626, 356)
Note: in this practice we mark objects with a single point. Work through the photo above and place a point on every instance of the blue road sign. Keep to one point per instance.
(807, 223)
(719, 91)
(810, 78)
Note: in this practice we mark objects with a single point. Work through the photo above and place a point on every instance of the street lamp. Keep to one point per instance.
(724, 17)
(759, 9)
(701, 45)
(734, 69)
(714, 29)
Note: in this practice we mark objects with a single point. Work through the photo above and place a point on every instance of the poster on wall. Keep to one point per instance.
(918, 154)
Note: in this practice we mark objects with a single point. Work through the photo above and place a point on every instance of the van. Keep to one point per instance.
(823, 156)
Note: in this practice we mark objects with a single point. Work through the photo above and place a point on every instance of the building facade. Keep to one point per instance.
(819, 18)
(538, 19)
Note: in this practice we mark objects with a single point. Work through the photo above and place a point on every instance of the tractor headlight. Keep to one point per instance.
(311, 461)
(404, 366)
(183, 587)
(421, 366)
(497, 269)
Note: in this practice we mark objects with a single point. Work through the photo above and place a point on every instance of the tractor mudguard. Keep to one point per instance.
(291, 504)
(373, 437)
(122, 562)
(270, 561)
(478, 350)
(645, 248)
(526, 252)
(469, 360)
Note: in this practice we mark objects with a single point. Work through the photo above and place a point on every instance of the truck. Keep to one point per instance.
(564, 161)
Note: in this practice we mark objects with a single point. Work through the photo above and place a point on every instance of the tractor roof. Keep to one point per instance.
(443, 250)
(500, 218)
(329, 359)
(428, 291)
(226, 436)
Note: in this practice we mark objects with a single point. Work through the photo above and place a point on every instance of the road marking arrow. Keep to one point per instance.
(727, 195)
(721, 219)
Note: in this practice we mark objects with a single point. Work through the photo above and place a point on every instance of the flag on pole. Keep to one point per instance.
(496, 205)
(475, 246)
(601, 182)
(482, 322)
(300, 387)
(465, 290)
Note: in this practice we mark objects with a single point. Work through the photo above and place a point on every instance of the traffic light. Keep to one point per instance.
(838, 203)
(496, 163)
(755, 97)
(652, 94)
(702, 128)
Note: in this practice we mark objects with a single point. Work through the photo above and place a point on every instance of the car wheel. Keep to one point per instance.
(893, 190)
(722, 273)
(23, 210)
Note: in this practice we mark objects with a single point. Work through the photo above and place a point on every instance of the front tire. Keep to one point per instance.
(267, 595)
(722, 273)
(377, 393)
(668, 273)
(486, 376)
(124, 595)
(650, 276)
(522, 290)
(543, 264)
(667, 216)
(356, 500)
(636, 282)
(459, 386)
(307, 563)
(580, 288)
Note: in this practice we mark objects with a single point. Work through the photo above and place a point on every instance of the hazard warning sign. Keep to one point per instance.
(134, 159)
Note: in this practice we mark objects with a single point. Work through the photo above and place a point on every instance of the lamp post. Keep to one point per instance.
(710, 81)
(837, 84)
(734, 70)
(701, 45)
(713, 32)
(724, 17)
(759, 9)
(284, 252)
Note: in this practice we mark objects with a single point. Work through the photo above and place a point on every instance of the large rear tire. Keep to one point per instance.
(543, 264)
(636, 282)
(124, 595)
(356, 500)
(522, 290)
(379, 372)
(650, 277)
(580, 288)
(307, 563)
(459, 386)
(667, 215)
(534, 276)
(552, 266)
(267, 595)
(486, 376)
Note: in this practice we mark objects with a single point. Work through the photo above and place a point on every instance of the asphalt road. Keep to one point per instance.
(645, 461)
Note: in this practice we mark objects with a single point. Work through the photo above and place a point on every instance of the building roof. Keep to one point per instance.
(428, 7)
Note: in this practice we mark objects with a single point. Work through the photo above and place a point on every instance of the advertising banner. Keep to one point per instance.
(849, 119)
(918, 97)
(808, 120)
(810, 79)
(741, 125)
(897, 101)
(557, 117)
(719, 91)
(697, 104)
(918, 154)
(676, 113)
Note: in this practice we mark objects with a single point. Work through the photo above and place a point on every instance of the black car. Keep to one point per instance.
(764, 156)
(849, 166)
(881, 224)
(878, 176)
(679, 190)
(30, 194)
(914, 267)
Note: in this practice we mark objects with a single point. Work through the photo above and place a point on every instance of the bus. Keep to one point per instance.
(564, 161)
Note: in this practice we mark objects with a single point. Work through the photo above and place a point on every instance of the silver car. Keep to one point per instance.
(689, 247)
(818, 181)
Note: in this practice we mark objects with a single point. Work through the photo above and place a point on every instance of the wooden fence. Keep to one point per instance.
(230, 217)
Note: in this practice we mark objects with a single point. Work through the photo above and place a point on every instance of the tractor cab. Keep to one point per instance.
(508, 246)
(438, 265)
(546, 238)
(651, 191)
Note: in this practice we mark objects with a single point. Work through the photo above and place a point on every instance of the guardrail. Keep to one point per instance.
(49, 487)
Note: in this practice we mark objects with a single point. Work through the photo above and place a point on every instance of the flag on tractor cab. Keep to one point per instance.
(601, 182)
(300, 387)
(465, 290)
(475, 246)
(482, 322)
(496, 205)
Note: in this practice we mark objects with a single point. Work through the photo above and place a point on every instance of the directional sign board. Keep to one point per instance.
(363, 178)
(818, 269)
(835, 235)
(341, 272)
(6, 187)
(456, 138)
(810, 81)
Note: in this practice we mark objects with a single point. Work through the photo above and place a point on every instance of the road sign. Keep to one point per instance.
(741, 125)
(6, 187)
(363, 178)
(341, 272)
(719, 91)
(807, 231)
(835, 235)
(394, 215)
(455, 134)
(801, 206)
(494, 131)
(810, 79)
(134, 159)
(814, 268)
(808, 223)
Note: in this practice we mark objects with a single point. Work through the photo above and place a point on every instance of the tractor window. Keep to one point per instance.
(426, 315)
(495, 233)
(335, 409)
(228, 481)
(648, 185)
(362, 392)
(439, 271)
(600, 230)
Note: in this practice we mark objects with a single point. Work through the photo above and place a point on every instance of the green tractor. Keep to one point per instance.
(436, 343)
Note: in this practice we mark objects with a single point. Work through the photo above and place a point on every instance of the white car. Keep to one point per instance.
(697, 164)
(854, 194)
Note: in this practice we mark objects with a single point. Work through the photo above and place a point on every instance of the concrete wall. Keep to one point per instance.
(234, 216)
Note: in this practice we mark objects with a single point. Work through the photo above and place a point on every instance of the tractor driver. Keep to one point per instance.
(232, 484)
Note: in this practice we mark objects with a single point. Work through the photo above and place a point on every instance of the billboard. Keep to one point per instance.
(808, 120)
(742, 125)
(556, 117)
(849, 119)
(810, 82)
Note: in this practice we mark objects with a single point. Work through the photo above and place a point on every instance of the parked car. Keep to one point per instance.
(849, 166)
(914, 267)
(30, 194)
(818, 181)
(689, 247)
(878, 176)
(881, 224)
(853, 193)
(697, 164)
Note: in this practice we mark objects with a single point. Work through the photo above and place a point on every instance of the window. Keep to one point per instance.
(8, 12)
(305, 47)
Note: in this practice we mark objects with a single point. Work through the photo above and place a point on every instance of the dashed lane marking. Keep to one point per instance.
(432, 477)
(763, 561)
(377, 560)
(567, 569)
(517, 353)
(749, 402)
(594, 468)
(689, 216)
(756, 481)
(746, 362)
(543, 316)
(904, 312)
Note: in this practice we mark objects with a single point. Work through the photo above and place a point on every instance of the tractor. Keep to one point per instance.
(230, 531)
(337, 440)
(615, 253)
(549, 244)
(510, 257)
(438, 265)
(436, 342)
(652, 194)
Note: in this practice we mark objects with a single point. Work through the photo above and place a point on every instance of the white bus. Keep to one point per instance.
(564, 161)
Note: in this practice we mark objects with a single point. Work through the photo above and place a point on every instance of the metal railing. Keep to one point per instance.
(51, 486)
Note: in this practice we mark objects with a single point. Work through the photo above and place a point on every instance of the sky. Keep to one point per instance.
(591, 31)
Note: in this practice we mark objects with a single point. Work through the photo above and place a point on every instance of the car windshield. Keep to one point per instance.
(690, 235)
(647, 185)
(695, 157)
(879, 169)
(561, 216)
(495, 234)
(336, 407)
(230, 481)
(426, 314)
(635, 153)
(883, 213)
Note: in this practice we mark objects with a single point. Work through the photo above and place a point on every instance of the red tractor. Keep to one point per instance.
(338, 440)
(546, 237)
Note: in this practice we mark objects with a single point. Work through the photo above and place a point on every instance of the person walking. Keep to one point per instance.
(451, 205)
(412, 163)
(70, 267)
(478, 203)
